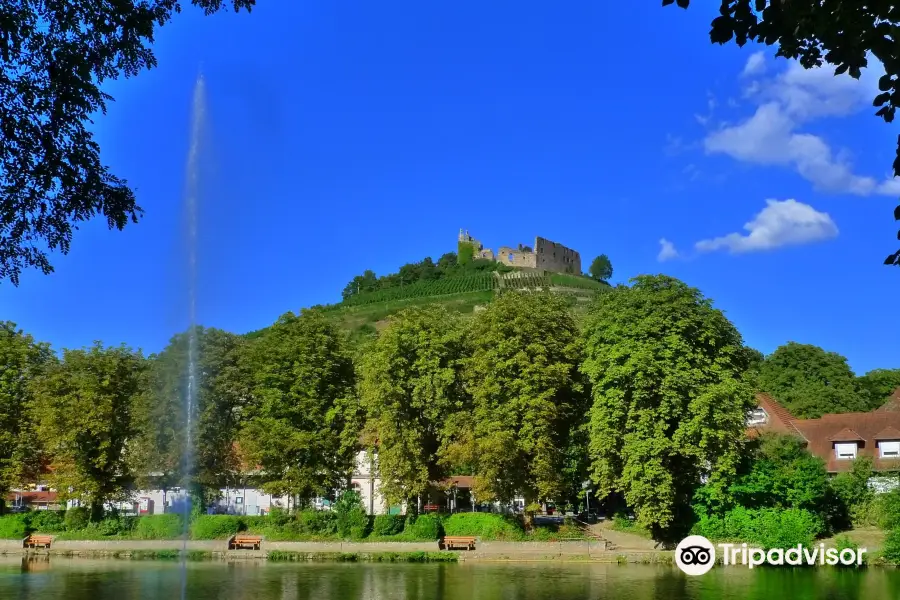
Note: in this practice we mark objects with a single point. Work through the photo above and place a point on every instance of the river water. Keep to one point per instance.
(83, 579)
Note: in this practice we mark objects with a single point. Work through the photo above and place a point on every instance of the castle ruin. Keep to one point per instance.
(544, 255)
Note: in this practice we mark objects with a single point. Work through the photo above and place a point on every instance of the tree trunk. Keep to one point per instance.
(96, 511)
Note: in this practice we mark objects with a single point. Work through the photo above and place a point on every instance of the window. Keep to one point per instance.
(845, 450)
(757, 417)
(889, 449)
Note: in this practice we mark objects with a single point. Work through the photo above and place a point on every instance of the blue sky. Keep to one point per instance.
(347, 136)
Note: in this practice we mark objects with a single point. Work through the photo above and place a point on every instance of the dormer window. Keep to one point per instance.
(889, 449)
(757, 416)
(845, 450)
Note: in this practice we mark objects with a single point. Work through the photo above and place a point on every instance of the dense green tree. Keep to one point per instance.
(527, 394)
(21, 361)
(836, 33)
(428, 271)
(852, 493)
(782, 474)
(410, 386)
(810, 381)
(877, 385)
(669, 404)
(754, 360)
(56, 57)
(446, 262)
(777, 472)
(367, 282)
(158, 453)
(601, 269)
(83, 410)
(299, 421)
(410, 273)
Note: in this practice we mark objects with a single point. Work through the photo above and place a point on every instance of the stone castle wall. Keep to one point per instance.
(545, 255)
(553, 256)
(515, 257)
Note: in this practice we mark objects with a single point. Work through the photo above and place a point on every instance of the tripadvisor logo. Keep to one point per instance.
(695, 555)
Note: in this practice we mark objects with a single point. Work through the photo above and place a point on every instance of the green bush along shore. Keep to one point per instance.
(304, 525)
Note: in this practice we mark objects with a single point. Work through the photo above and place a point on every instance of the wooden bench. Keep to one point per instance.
(38, 541)
(462, 542)
(248, 542)
(432, 508)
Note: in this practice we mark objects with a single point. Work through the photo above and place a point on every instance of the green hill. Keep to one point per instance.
(363, 314)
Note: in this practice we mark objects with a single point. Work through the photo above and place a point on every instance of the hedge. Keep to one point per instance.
(159, 527)
(215, 527)
(487, 526)
(13, 527)
(424, 527)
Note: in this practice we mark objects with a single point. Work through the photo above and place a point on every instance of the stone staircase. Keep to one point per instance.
(593, 534)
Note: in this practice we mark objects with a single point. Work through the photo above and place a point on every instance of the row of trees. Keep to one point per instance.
(647, 397)
(810, 381)
(448, 265)
(426, 269)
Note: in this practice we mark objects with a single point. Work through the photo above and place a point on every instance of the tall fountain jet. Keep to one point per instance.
(191, 196)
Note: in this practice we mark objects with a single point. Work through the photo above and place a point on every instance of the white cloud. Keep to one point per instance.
(756, 64)
(772, 135)
(667, 250)
(780, 223)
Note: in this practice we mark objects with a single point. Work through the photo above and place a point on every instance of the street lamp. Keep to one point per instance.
(586, 486)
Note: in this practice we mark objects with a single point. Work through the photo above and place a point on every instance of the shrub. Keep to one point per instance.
(77, 518)
(487, 526)
(384, 525)
(885, 510)
(215, 527)
(112, 526)
(13, 527)
(785, 528)
(768, 527)
(352, 520)
(891, 550)
(279, 517)
(842, 542)
(712, 527)
(424, 527)
(47, 521)
(158, 527)
(254, 521)
(317, 522)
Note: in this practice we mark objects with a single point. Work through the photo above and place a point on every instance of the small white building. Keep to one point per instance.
(365, 480)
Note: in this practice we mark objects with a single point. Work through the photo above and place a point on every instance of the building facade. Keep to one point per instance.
(838, 439)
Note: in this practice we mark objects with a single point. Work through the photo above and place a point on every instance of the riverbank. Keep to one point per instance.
(573, 551)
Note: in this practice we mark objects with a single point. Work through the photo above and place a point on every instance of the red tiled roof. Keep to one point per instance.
(823, 432)
(892, 404)
(33, 497)
(846, 435)
(780, 418)
(460, 481)
(888, 433)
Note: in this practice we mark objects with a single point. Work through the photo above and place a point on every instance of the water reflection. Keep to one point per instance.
(75, 579)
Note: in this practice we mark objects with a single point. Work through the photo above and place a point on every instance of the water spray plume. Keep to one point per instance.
(192, 192)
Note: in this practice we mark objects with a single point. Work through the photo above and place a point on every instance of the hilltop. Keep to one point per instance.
(461, 282)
